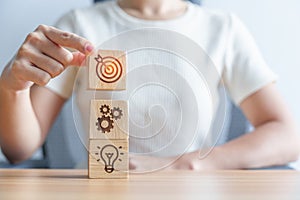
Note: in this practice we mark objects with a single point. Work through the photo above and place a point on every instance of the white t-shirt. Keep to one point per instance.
(171, 109)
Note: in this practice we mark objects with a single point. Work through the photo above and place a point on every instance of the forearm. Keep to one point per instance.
(20, 132)
(273, 143)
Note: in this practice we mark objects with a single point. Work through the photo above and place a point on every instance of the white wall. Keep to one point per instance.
(275, 25)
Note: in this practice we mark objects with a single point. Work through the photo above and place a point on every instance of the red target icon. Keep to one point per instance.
(109, 69)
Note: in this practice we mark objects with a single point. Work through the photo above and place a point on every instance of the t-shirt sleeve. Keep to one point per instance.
(63, 84)
(245, 69)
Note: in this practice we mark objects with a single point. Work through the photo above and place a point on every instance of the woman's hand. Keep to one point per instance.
(188, 161)
(141, 164)
(43, 56)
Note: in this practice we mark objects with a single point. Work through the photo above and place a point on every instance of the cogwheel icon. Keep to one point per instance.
(116, 113)
(104, 109)
(105, 124)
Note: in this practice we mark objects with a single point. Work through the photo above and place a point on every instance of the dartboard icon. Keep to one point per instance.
(109, 69)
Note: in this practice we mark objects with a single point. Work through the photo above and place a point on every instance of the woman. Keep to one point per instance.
(29, 105)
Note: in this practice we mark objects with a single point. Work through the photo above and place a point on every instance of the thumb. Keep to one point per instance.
(78, 59)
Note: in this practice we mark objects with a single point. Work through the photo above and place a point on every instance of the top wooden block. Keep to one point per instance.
(107, 70)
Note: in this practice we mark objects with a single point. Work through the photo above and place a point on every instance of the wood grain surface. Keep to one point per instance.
(74, 184)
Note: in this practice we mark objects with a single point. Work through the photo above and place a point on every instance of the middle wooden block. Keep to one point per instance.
(108, 119)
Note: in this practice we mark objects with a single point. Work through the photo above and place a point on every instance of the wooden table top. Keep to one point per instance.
(73, 184)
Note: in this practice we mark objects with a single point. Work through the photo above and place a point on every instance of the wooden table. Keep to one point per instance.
(74, 184)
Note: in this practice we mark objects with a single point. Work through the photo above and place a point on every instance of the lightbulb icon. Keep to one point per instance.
(109, 154)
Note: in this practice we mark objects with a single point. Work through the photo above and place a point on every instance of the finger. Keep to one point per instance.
(45, 63)
(66, 39)
(78, 59)
(56, 52)
(29, 72)
(61, 55)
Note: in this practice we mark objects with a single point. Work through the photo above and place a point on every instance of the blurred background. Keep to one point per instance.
(273, 23)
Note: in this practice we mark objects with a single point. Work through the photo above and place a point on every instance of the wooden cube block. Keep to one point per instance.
(108, 119)
(107, 70)
(108, 159)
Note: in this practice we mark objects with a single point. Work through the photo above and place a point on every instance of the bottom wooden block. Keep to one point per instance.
(108, 159)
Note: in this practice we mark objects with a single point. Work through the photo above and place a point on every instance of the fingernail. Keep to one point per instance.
(89, 48)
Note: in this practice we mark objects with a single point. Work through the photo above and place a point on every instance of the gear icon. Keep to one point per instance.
(116, 113)
(105, 124)
(104, 109)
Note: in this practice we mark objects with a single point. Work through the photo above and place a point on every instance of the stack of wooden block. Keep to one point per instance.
(108, 138)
